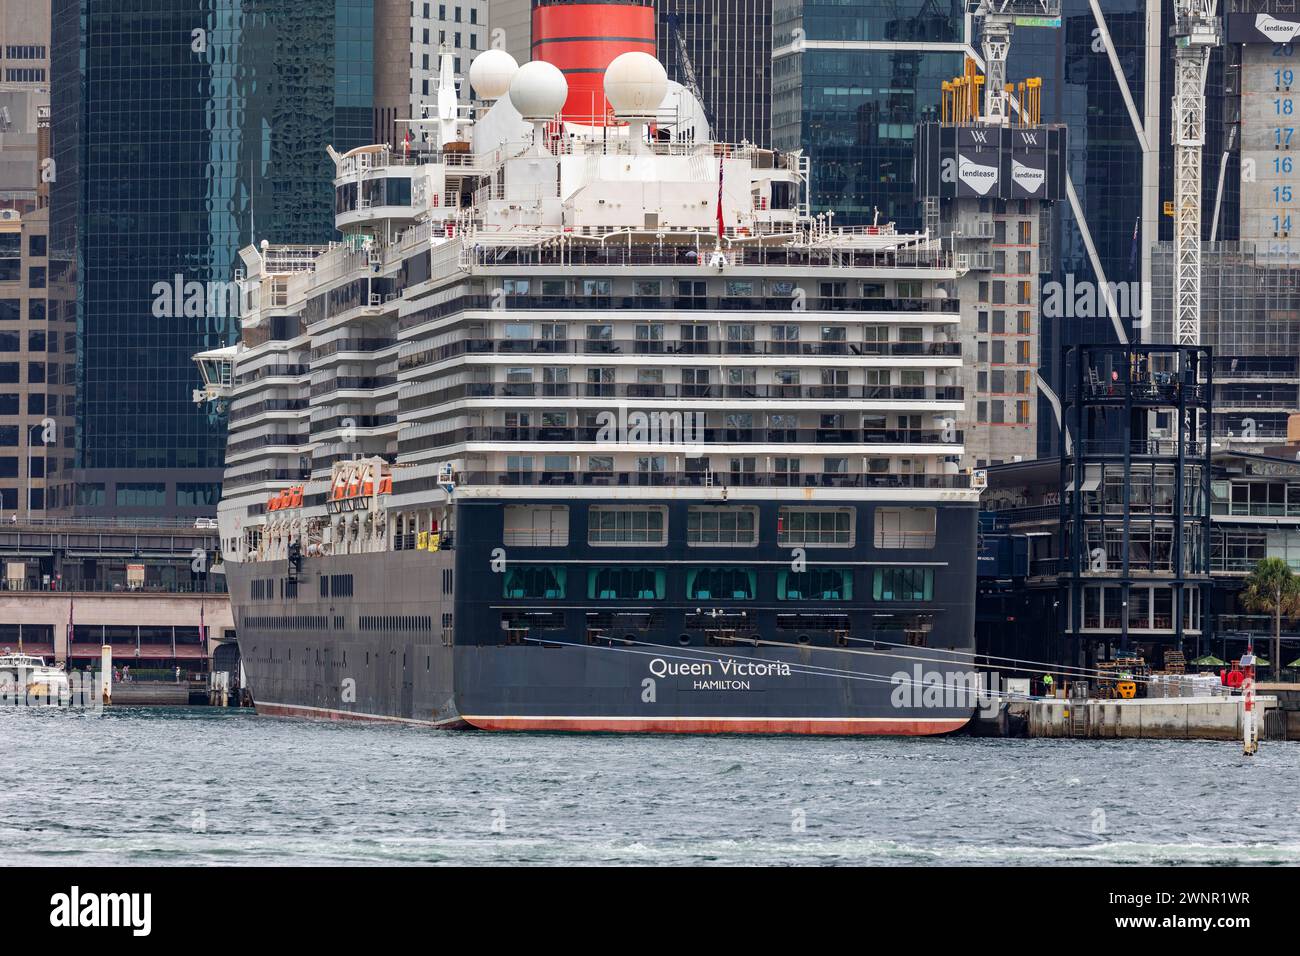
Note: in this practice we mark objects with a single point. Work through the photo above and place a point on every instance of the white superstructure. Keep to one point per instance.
(546, 310)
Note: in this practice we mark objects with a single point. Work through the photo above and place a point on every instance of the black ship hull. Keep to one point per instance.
(426, 637)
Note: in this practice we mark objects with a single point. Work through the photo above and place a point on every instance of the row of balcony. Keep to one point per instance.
(871, 393)
(700, 479)
(269, 405)
(271, 371)
(786, 305)
(364, 382)
(351, 345)
(597, 346)
(687, 434)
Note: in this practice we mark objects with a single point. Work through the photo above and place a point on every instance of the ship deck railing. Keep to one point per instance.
(686, 430)
(692, 479)
(940, 311)
(676, 254)
(619, 145)
(289, 259)
(611, 346)
(947, 394)
(420, 156)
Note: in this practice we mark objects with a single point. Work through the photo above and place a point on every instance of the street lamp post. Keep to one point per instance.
(31, 430)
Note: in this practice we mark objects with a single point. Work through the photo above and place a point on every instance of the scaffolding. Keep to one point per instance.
(1135, 513)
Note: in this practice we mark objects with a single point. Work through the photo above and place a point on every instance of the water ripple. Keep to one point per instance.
(205, 787)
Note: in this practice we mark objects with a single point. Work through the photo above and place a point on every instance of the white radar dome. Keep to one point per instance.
(491, 72)
(538, 90)
(635, 84)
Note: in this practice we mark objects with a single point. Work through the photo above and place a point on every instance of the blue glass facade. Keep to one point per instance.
(854, 109)
(181, 132)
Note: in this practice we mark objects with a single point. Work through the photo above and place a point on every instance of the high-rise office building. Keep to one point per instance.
(510, 25)
(407, 87)
(729, 45)
(1250, 280)
(850, 83)
(37, 357)
(181, 132)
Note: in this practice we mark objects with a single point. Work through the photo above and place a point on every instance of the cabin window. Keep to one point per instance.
(815, 584)
(544, 583)
(823, 527)
(623, 526)
(720, 584)
(538, 526)
(905, 528)
(707, 525)
(903, 584)
(625, 584)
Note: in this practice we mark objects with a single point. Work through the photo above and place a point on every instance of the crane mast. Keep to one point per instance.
(997, 19)
(684, 64)
(1196, 32)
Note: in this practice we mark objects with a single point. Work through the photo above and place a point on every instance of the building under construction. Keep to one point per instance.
(988, 173)
(1247, 249)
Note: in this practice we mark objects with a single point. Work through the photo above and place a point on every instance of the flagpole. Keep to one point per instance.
(718, 245)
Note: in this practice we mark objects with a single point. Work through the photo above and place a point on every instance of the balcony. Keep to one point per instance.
(947, 394)
(677, 432)
(614, 254)
(353, 382)
(905, 308)
(685, 479)
(271, 405)
(766, 347)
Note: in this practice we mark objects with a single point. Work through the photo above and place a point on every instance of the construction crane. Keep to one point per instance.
(1196, 33)
(687, 69)
(997, 19)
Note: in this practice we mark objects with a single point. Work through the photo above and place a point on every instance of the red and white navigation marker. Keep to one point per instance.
(1249, 721)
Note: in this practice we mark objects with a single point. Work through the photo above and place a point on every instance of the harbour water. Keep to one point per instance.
(203, 786)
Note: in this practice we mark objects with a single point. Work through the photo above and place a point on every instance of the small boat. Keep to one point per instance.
(32, 676)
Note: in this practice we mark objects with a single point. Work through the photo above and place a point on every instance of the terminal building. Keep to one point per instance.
(151, 591)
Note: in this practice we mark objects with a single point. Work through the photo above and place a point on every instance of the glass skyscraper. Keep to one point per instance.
(729, 43)
(183, 130)
(850, 83)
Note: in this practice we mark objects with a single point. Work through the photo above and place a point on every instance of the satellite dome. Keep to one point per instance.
(538, 90)
(635, 84)
(491, 72)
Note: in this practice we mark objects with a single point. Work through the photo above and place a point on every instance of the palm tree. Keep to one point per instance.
(1273, 588)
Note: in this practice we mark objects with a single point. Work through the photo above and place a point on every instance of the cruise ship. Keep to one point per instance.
(587, 424)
